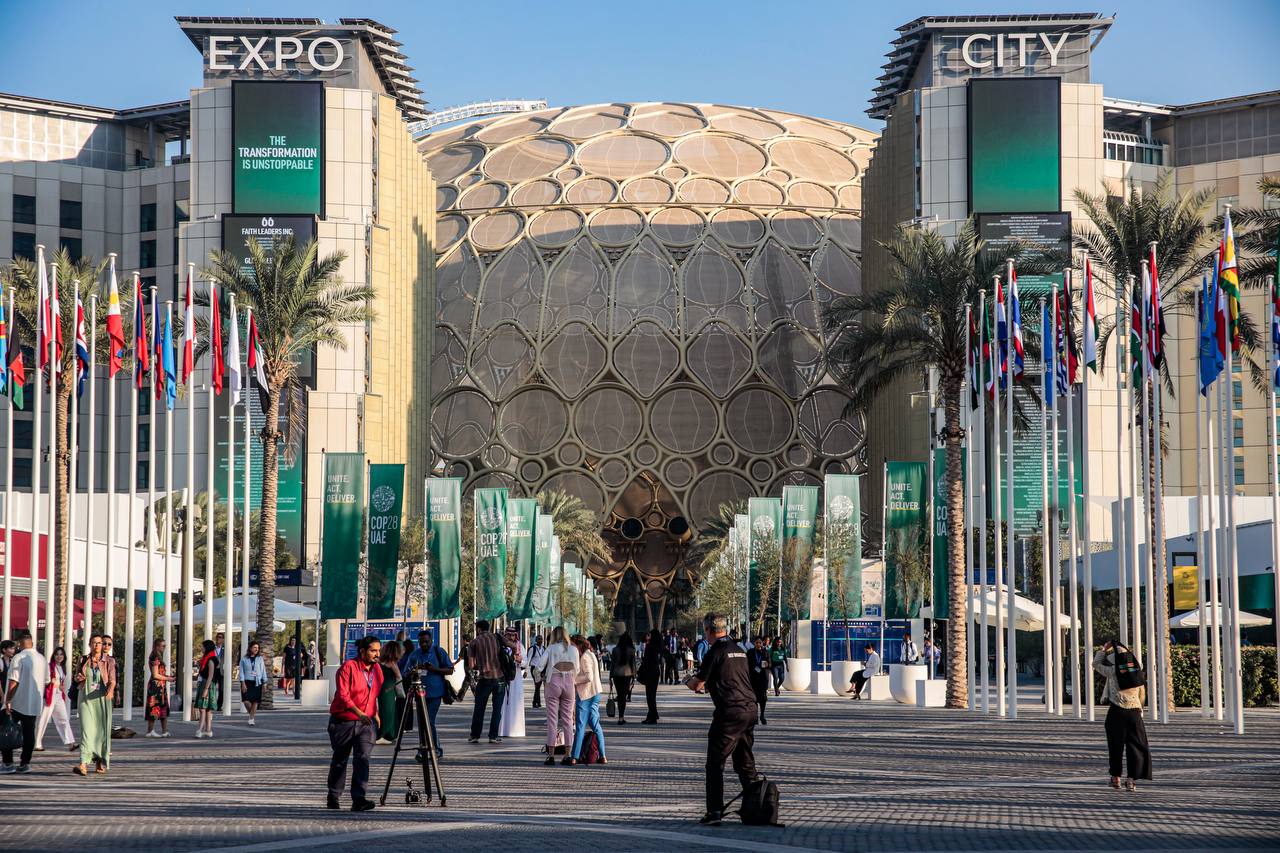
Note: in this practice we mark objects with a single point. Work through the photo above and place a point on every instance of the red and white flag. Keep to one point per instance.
(215, 338)
(189, 332)
(233, 357)
(256, 368)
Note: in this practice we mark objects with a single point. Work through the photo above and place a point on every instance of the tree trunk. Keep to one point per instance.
(957, 583)
(267, 535)
(62, 558)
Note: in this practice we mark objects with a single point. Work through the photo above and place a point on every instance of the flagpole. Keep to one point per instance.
(51, 538)
(37, 444)
(168, 505)
(1011, 652)
(211, 508)
(1055, 536)
(1121, 549)
(1157, 490)
(1215, 628)
(1224, 547)
(884, 557)
(129, 532)
(109, 584)
(1048, 354)
(1001, 707)
(73, 446)
(229, 560)
(1148, 497)
(1078, 679)
(244, 516)
(1086, 538)
(6, 620)
(1233, 580)
(985, 640)
(153, 527)
(1201, 574)
(91, 483)
(967, 413)
(188, 529)
(1273, 451)
(1131, 508)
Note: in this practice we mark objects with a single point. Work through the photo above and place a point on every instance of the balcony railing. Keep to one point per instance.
(1132, 148)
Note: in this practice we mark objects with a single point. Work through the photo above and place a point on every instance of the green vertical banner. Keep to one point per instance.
(906, 559)
(765, 552)
(386, 502)
(522, 515)
(340, 545)
(799, 515)
(545, 550)
(492, 509)
(842, 546)
(940, 600)
(444, 547)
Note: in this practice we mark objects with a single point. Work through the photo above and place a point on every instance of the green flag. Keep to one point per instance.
(799, 514)
(341, 540)
(940, 599)
(906, 558)
(842, 546)
(444, 549)
(765, 531)
(386, 500)
(492, 509)
(546, 545)
(521, 517)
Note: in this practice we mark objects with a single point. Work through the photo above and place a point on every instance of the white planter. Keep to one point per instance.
(820, 683)
(316, 692)
(797, 677)
(841, 672)
(902, 681)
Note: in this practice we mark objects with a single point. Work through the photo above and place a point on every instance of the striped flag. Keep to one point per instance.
(82, 348)
(4, 342)
(233, 357)
(1049, 350)
(15, 369)
(1229, 282)
(1155, 316)
(975, 360)
(1136, 347)
(55, 318)
(189, 332)
(1090, 319)
(1015, 321)
(1066, 316)
(141, 350)
(1002, 331)
(1061, 348)
(157, 341)
(115, 326)
(1148, 333)
(1221, 318)
(169, 373)
(215, 338)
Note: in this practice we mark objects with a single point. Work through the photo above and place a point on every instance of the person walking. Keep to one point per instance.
(671, 645)
(587, 709)
(513, 701)
(209, 688)
(353, 718)
(253, 674)
(292, 660)
(432, 664)
(157, 695)
(759, 665)
(724, 674)
(650, 673)
(392, 689)
(56, 707)
(113, 670)
(1125, 695)
(622, 669)
(870, 668)
(559, 668)
(931, 656)
(777, 666)
(537, 661)
(24, 688)
(485, 657)
(95, 678)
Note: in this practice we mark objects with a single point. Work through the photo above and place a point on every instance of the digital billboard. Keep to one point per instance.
(277, 135)
(1015, 145)
(267, 230)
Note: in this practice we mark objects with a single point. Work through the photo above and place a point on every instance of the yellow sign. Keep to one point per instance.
(1186, 587)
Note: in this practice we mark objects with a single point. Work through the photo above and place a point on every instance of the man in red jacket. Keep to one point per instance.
(353, 719)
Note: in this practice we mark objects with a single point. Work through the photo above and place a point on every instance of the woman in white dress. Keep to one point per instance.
(513, 704)
(55, 702)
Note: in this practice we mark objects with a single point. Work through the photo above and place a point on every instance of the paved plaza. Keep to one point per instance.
(854, 776)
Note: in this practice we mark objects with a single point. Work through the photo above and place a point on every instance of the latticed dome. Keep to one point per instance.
(629, 302)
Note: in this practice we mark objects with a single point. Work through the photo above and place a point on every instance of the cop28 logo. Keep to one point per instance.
(841, 508)
(491, 518)
(383, 498)
(763, 526)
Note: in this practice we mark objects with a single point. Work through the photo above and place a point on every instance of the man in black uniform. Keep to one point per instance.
(724, 675)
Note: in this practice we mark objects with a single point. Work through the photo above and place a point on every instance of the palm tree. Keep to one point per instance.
(576, 525)
(299, 302)
(914, 321)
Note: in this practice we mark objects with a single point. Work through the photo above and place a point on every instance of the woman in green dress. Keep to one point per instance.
(97, 689)
(388, 722)
(209, 689)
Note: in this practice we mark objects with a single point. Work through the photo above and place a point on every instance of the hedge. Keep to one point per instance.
(1258, 668)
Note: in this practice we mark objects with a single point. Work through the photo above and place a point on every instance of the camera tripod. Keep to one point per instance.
(426, 754)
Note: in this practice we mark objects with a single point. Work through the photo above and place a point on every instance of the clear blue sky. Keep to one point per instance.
(819, 58)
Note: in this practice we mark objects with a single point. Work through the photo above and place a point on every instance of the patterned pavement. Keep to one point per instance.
(854, 776)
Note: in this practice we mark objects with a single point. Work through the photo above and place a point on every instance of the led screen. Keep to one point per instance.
(1014, 145)
(277, 140)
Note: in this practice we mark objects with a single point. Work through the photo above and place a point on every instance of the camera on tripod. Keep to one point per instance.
(425, 754)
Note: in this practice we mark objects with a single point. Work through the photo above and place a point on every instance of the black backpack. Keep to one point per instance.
(759, 803)
(1129, 672)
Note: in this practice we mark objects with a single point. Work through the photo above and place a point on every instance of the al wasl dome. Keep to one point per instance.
(628, 309)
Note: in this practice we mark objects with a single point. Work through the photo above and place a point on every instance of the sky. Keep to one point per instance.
(804, 56)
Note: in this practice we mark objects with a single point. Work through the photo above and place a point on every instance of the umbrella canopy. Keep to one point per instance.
(286, 611)
(1028, 615)
(1191, 619)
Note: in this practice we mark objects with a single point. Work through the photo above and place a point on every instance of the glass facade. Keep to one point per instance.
(629, 300)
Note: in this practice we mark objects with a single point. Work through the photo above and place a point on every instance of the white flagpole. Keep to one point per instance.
(91, 484)
(1081, 682)
(1087, 540)
(1011, 652)
(188, 535)
(1273, 448)
(884, 558)
(1224, 545)
(1202, 577)
(1001, 517)
(110, 562)
(211, 512)
(1157, 491)
(984, 644)
(132, 478)
(1211, 556)
(229, 557)
(37, 445)
(967, 414)
(51, 539)
(153, 527)
(73, 445)
(244, 520)
(167, 541)
(1131, 508)
(1055, 546)
(1121, 549)
(6, 621)
(1047, 404)
(1233, 575)
(1148, 497)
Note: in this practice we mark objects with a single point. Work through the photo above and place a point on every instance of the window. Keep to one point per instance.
(147, 217)
(24, 209)
(147, 253)
(1237, 432)
(1237, 393)
(144, 407)
(24, 245)
(1239, 471)
(22, 472)
(70, 214)
(143, 471)
(22, 434)
(73, 245)
(144, 430)
(181, 210)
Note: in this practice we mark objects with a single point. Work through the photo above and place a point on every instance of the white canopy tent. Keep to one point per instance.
(1028, 615)
(286, 611)
(1191, 619)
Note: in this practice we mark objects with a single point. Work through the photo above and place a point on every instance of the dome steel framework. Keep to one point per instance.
(629, 300)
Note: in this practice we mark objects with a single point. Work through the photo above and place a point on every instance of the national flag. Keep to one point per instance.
(975, 360)
(1002, 332)
(4, 342)
(1047, 335)
(257, 369)
(55, 308)
(1148, 329)
(157, 341)
(115, 326)
(1275, 328)
(1136, 335)
(82, 348)
(169, 373)
(1090, 319)
(233, 356)
(1208, 358)
(217, 367)
(1015, 322)
(1155, 316)
(1061, 358)
(1229, 281)
(1221, 321)
(189, 332)
(15, 370)
(141, 349)
(1066, 319)
(44, 320)
(988, 356)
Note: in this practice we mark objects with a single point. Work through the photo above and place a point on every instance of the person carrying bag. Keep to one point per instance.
(1124, 692)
